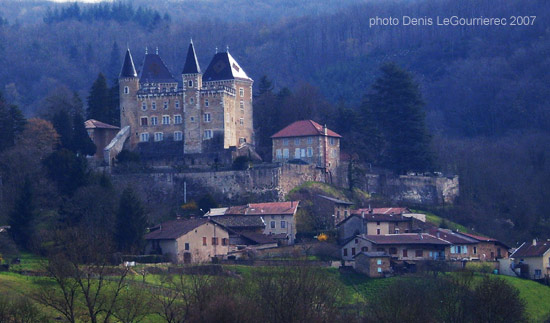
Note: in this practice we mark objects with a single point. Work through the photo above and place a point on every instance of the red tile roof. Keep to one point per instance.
(479, 238)
(452, 237)
(406, 238)
(270, 208)
(92, 124)
(528, 250)
(304, 128)
(175, 229)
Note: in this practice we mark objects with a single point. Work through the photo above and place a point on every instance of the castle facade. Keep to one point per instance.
(201, 112)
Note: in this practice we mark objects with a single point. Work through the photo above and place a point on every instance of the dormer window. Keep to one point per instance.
(190, 83)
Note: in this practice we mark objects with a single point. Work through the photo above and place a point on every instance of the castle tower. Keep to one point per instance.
(192, 84)
(128, 87)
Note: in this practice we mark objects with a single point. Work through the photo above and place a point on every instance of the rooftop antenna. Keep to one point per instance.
(146, 51)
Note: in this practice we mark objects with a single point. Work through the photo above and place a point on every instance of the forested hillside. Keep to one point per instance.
(485, 87)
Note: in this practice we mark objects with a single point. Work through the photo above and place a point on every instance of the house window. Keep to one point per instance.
(279, 154)
(296, 141)
(418, 253)
(126, 90)
(154, 121)
(187, 246)
(297, 153)
(345, 252)
(285, 141)
(159, 136)
(378, 223)
(283, 224)
(302, 152)
(144, 137)
(379, 269)
(178, 136)
(393, 251)
(241, 104)
(458, 249)
(191, 100)
(396, 231)
(365, 249)
(204, 241)
(309, 152)
(353, 251)
(224, 241)
(165, 105)
(177, 119)
(177, 104)
(241, 121)
(153, 105)
(285, 153)
(143, 121)
(309, 140)
(165, 120)
(207, 117)
(214, 241)
(208, 134)
(206, 102)
(356, 241)
(345, 213)
(190, 83)
(143, 106)
(498, 253)
(475, 250)
(378, 231)
(538, 273)
(378, 261)
(272, 224)
(332, 141)
(241, 92)
(405, 253)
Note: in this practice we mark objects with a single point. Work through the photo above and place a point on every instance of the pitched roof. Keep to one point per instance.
(390, 210)
(304, 128)
(479, 238)
(224, 67)
(191, 63)
(128, 68)
(258, 238)
(374, 217)
(335, 200)
(529, 250)
(175, 229)
(270, 208)
(452, 237)
(348, 218)
(406, 238)
(155, 71)
(94, 124)
(239, 221)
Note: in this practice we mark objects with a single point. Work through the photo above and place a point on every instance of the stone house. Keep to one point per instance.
(532, 259)
(488, 249)
(332, 208)
(307, 141)
(200, 113)
(372, 263)
(361, 222)
(101, 134)
(188, 241)
(405, 246)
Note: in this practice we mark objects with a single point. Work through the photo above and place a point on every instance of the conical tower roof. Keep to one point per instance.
(191, 63)
(128, 68)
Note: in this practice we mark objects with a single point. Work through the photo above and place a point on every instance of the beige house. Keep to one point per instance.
(188, 241)
(532, 259)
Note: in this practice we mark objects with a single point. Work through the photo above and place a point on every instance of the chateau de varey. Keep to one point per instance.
(210, 111)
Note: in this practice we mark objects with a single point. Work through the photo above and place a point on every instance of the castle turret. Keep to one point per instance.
(128, 86)
(192, 84)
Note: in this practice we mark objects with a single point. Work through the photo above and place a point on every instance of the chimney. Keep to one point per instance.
(421, 237)
(437, 234)
(325, 130)
(363, 214)
(535, 242)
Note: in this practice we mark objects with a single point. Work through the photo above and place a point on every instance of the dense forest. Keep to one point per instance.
(485, 88)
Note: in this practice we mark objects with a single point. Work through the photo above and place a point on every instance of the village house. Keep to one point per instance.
(101, 134)
(404, 246)
(532, 259)
(373, 263)
(279, 219)
(487, 249)
(331, 208)
(188, 241)
(307, 141)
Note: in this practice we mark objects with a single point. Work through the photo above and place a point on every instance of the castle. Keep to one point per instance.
(201, 113)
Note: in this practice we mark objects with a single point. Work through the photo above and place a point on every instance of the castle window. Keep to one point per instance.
(285, 153)
(164, 89)
(159, 136)
(153, 105)
(283, 224)
(242, 140)
(297, 153)
(165, 120)
(309, 152)
(177, 119)
(309, 140)
(296, 141)
(332, 141)
(154, 121)
(144, 106)
(241, 103)
(302, 152)
(207, 117)
(191, 100)
(165, 105)
(144, 121)
(241, 92)
(144, 137)
(241, 121)
(206, 102)
(333, 153)
(285, 141)
(177, 103)
(190, 83)
(207, 134)
(192, 119)
(279, 154)
(126, 90)
(177, 136)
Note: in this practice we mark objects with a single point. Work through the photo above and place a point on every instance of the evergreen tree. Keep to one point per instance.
(115, 104)
(81, 142)
(99, 102)
(131, 222)
(397, 106)
(23, 214)
(12, 123)
(265, 86)
(114, 62)
(64, 127)
(68, 170)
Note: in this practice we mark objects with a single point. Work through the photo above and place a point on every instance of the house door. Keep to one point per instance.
(186, 257)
